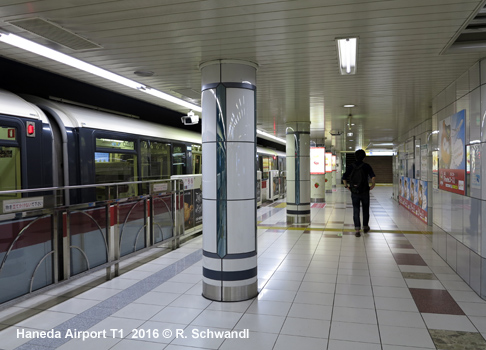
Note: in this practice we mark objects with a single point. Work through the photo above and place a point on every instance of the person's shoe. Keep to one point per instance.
(358, 234)
(366, 229)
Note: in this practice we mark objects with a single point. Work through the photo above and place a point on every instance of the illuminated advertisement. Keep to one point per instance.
(333, 162)
(328, 162)
(413, 196)
(452, 155)
(318, 160)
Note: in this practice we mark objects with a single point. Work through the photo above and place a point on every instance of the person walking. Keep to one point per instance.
(356, 180)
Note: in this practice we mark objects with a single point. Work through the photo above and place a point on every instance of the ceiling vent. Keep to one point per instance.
(53, 32)
(472, 38)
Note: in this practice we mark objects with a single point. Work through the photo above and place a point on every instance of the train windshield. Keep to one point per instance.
(10, 175)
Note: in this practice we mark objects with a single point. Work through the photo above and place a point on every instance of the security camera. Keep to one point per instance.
(190, 119)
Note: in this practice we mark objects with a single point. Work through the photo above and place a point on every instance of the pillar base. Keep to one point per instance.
(235, 293)
(298, 219)
(318, 200)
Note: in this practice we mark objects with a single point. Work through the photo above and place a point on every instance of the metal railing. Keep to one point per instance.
(44, 241)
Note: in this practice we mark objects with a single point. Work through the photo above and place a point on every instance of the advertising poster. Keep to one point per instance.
(452, 153)
(318, 160)
(197, 207)
(413, 196)
(333, 163)
(328, 162)
(188, 210)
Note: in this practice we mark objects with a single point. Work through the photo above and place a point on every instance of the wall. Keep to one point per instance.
(458, 219)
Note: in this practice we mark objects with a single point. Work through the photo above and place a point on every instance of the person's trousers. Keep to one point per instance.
(364, 200)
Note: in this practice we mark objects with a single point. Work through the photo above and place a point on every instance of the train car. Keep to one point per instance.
(97, 147)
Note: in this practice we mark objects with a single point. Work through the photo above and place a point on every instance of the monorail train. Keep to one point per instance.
(45, 144)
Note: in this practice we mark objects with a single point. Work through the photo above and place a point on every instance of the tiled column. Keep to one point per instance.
(229, 178)
(298, 172)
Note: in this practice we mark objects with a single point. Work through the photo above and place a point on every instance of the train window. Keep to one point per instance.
(155, 160)
(116, 167)
(117, 144)
(179, 160)
(10, 178)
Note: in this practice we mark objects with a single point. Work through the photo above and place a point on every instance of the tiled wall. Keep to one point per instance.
(458, 220)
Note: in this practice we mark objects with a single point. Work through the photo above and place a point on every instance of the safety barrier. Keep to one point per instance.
(44, 241)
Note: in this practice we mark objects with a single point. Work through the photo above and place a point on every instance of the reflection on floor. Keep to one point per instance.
(320, 288)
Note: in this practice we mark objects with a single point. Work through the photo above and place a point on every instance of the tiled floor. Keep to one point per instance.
(320, 288)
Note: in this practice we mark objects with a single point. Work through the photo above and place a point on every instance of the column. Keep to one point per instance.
(298, 172)
(229, 178)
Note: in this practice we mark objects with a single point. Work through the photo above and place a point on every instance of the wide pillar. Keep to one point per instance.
(229, 178)
(298, 172)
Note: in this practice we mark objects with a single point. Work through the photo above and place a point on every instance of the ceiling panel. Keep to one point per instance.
(400, 68)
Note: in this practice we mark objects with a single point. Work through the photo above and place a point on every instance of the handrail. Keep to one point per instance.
(59, 188)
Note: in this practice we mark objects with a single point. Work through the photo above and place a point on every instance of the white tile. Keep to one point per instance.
(241, 223)
(283, 285)
(180, 315)
(264, 307)
(314, 298)
(353, 314)
(218, 319)
(256, 340)
(306, 327)
(397, 304)
(261, 323)
(291, 342)
(406, 336)
(276, 295)
(400, 319)
(46, 320)
(317, 312)
(358, 332)
(174, 287)
(391, 292)
(129, 344)
(124, 326)
(98, 344)
(350, 345)
(191, 301)
(354, 289)
(358, 301)
(448, 322)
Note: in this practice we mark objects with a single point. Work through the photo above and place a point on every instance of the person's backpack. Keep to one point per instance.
(358, 179)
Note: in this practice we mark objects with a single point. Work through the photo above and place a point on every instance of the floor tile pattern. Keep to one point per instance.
(320, 287)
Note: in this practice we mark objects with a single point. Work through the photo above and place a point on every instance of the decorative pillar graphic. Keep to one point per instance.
(298, 172)
(229, 177)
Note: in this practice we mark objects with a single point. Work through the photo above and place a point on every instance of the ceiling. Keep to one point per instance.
(403, 60)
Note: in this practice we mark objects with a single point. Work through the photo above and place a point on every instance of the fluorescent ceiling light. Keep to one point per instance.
(44, 51)
(383, 144)
(347, 48)
(270, 136)
(349, 134)
(349, 106)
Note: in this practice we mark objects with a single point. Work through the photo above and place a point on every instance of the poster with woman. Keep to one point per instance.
(452, 157)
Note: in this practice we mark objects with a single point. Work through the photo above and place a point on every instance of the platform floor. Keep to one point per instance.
(320, 288)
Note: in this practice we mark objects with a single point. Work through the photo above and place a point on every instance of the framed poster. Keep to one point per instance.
(317, 160)
(452, 153)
